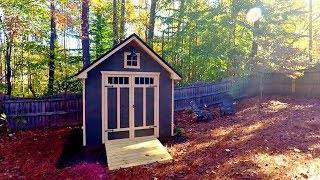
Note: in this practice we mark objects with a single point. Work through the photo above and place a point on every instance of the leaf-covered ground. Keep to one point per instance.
(278, 139)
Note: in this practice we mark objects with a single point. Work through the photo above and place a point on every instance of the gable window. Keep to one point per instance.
(132, 60)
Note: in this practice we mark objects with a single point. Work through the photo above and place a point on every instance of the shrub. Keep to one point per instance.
(179, 131)
(4, 125)
(189, 110)
(19, 120)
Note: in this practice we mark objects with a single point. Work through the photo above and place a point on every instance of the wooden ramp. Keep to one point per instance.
(128, 153)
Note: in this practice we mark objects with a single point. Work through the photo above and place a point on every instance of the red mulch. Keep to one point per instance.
(277, 138)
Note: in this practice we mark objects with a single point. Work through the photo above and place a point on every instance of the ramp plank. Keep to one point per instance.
(129, 153)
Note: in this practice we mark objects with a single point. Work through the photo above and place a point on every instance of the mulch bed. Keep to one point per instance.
(277, 138)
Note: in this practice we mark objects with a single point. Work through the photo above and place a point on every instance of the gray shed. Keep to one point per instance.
(128, 93)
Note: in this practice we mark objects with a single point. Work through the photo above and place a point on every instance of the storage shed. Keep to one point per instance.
(128, 93)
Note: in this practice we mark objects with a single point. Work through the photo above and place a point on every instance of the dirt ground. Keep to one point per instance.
(278, 139)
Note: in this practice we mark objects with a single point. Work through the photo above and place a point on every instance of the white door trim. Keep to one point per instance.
(131, 86)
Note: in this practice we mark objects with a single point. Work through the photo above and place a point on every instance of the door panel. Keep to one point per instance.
(138, 107)
(144, 132)
(130, 106)
(112, 108)
(118, 135)
(150, 106)
(144, 106)
(124, 107)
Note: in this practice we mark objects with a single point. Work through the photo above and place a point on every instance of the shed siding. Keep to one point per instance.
(116, 63)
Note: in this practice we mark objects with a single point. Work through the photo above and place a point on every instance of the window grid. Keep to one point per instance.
(118, 80)
(143, 80)
(131, 61)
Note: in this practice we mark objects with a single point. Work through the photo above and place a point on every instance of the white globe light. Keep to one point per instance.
(253, 15)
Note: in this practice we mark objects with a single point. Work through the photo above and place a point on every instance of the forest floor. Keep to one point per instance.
(278, 138)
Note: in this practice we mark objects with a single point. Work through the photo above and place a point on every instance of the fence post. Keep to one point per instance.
(293, 86)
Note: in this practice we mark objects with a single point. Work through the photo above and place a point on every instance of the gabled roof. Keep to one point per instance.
(174, 74)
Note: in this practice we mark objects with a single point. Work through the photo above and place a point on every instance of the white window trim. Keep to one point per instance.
(131, 67)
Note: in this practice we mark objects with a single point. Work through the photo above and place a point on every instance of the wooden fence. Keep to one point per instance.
(66, 109)
(54, 111)
(307, 85)
(209, 93)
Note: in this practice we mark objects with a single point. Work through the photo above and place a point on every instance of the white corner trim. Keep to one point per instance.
(157, 94)
(172, 108)
(84, 112)
(82, 76)
(103, 135)
(174, 75)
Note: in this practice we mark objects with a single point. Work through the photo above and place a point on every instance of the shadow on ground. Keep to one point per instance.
(74, 153)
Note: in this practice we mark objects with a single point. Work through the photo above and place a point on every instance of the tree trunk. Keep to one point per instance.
(53, 37)
(180, 19)
(254, 48)
(310, 30)
(8, 66)
(30, 86)
(122, 20)
(115, 23)
(1, 74)
(162, 45)
(85, 33)
(152, 21)
(98, 38)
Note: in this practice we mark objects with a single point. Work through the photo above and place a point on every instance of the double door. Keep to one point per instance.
(131, 106)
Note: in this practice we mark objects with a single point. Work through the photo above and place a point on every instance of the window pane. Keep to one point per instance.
(120, 80)
(128, 57)
(109, 80)
(116, 81)
(134, 63)
(126, 80)
(136, 80)
(141, 80)
(151, 80)
(129, 63)
(147, 80)
(134, 57)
